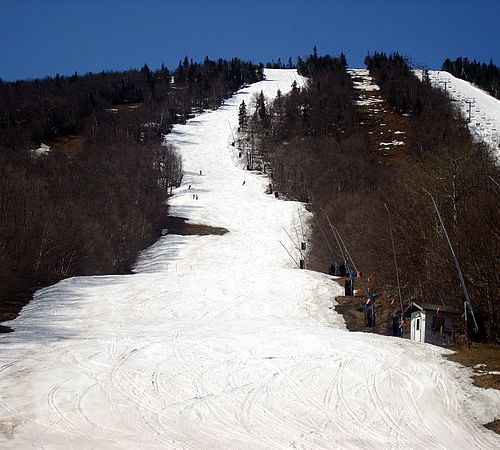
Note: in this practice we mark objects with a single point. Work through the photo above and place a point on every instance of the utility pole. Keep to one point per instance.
(467, 302)
(470, 103)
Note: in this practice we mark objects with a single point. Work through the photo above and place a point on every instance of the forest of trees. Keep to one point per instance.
(317, 151)
(96, 198)
(486, 76)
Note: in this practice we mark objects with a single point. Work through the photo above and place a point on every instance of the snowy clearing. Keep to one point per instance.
(219, 342)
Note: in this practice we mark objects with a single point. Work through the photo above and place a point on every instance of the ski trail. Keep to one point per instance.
(219, 342)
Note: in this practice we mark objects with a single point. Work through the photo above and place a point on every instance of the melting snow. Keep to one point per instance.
(220, 342)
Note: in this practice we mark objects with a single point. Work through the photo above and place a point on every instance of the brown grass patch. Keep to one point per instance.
(70, 144)
(483, 358)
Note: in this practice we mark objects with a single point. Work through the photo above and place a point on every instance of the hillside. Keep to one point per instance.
(484, 109)
(219, 341)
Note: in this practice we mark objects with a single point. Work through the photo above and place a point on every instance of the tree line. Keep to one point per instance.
(97, 197)
(486, 76)
(318, 151)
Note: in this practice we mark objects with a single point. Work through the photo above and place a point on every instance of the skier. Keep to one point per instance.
(201, 173)
(243, 183)
(196, 196)
(189, 187)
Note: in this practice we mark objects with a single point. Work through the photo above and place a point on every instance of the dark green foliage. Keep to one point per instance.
(261, 110)
(315, 64)
(242, 116)
(486, 76)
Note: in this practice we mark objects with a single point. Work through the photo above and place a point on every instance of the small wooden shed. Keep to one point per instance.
(432, 324)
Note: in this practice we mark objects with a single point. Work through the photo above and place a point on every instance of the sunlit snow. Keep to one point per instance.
(220, 342)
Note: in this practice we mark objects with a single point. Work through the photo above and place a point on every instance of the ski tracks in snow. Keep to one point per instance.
(219, 342)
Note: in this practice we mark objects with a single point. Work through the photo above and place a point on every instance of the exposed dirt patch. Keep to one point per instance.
(385, 126)
(494, 426)
(484, 359)
(70, 144)
(352, 308)
(179, 225)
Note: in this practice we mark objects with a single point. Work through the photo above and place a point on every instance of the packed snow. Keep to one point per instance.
(484, 109)
(221, 342)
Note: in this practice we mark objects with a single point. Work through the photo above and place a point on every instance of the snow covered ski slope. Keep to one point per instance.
(484, 109)
(219, 342)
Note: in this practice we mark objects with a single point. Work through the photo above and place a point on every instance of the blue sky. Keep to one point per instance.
(45, 37)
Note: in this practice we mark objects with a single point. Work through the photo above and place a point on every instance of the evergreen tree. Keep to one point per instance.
(261, 110)
(242, 116)
(343, 60)
(260, 72)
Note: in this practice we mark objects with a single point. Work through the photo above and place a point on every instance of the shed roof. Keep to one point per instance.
(414, 306)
